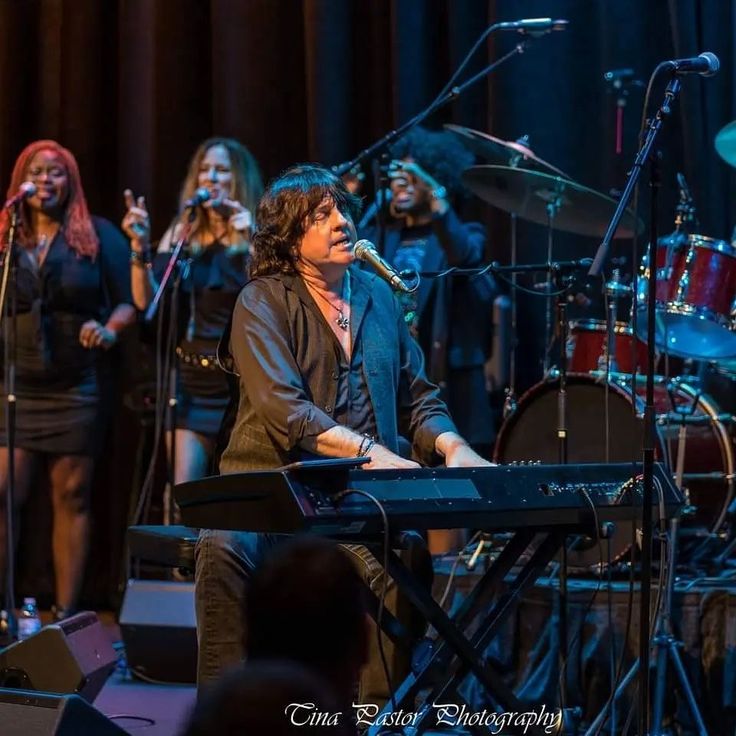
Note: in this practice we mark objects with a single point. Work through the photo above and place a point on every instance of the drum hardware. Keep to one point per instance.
(582, 211)
(613, 290)
(552, 201)
(530, 433)
(647, 155)
(664, 643)
(587, 349)
(696, 278)
(553, 207)
(561, 277)
(685, 209)
(514, 154)
(509, 404)
(671, 417)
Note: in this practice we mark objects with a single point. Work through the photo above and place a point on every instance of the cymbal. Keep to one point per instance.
(726, 143)
(500, 152)
(527, 194)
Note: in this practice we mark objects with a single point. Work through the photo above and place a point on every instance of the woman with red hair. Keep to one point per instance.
(73, 300)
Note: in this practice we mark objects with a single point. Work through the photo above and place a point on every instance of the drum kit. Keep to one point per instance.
(695, 343)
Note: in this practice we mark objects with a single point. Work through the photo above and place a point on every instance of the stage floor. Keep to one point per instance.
(704, 619)
(153, 710)
(140, 707)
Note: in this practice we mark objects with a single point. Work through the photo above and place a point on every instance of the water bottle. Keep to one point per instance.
(29, 622)
(6, 629)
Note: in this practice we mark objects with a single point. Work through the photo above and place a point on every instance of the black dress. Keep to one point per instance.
(216, 275)
(63, 397)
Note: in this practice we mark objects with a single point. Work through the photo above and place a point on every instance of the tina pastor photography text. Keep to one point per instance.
(442, 714)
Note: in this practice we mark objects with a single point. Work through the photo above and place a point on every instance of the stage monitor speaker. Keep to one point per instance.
(72, 656)
(28, 713)
(158, 626)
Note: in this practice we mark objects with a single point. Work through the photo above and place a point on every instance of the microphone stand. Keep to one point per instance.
(9, 309)
(649, 443)
(441, 101)
(383, 143)
(175, 272)
(383, 192)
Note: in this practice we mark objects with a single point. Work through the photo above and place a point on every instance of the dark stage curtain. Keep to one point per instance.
(131, 86)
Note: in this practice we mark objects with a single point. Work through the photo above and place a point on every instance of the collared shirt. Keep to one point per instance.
(288, 360)
(353, 407)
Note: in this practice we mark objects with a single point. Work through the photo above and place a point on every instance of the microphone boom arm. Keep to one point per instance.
(655, 124)
(391, 136)
(170, 266)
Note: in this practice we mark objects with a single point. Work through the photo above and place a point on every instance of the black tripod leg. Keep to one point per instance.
(601, 718)
(686, 689)
(659, 689)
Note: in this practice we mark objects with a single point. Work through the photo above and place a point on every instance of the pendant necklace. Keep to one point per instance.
(342, 320)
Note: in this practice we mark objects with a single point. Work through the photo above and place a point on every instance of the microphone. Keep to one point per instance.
(706, 65)
(200, 196)
(25, 190)
(365, 251)
(535, 26)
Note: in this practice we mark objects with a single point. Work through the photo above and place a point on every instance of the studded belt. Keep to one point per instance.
(201, 360)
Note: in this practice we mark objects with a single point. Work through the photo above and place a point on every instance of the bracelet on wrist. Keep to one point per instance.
(439, 193)
(142, 260)
(366, 445)
(361, 446)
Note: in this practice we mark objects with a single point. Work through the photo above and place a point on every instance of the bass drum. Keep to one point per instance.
(530, 434)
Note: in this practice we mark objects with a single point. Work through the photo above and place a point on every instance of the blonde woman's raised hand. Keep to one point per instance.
(136, 223)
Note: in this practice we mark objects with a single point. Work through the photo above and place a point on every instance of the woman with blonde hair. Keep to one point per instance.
(218, 242)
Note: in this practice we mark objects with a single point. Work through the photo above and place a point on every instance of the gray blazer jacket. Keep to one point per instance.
(287, 358)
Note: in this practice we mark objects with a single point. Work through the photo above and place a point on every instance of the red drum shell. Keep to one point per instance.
(696, 288)
(587, 340)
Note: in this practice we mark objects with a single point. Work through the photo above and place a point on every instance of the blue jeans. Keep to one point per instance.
(224, 562)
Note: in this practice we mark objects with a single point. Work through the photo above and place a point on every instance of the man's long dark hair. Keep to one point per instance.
(285, 212)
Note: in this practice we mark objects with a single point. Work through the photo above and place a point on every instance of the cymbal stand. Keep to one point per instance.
(664, 642)
(561, 437)
(553, 207)
(613, 289)
(509, 404)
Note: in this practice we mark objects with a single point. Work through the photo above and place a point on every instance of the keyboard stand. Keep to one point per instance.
(455, 654)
